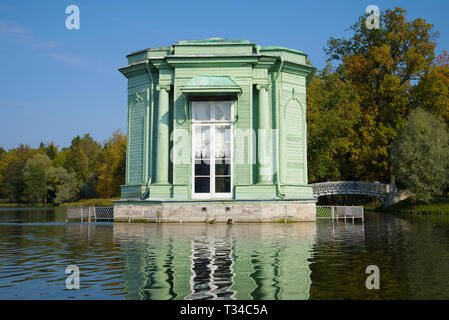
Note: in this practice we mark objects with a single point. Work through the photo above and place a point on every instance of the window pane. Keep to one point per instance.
(227, 133)
(202, 185)
(201, 135)
(222, 169)
(222, 110)
(201, 111)
(202, 168)
(219, 135)
(205, 134)
(227, 150)
(222, 141)
(201, 141)
(222, 184)
(202, 152)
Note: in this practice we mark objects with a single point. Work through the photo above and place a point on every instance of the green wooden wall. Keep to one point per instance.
(284, 71)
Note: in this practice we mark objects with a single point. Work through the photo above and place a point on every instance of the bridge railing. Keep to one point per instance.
(379, 190)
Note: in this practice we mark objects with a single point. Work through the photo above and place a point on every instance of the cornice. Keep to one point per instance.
(265, 62)
(300, 69)
(134, 69)
(187, 60)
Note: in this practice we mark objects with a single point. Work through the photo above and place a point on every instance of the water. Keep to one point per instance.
(218, 261)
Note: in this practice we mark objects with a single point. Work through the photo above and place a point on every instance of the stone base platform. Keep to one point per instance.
(232, 211)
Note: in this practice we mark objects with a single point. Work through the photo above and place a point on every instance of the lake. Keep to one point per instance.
(307, 260)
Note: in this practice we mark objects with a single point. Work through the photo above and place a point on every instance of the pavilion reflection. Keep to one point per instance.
(216, 261)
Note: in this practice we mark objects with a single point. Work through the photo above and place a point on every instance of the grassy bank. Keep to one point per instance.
(81, 203)
(91, 202)
(437, 205)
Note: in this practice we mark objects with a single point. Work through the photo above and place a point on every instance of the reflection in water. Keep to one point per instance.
(201, 261)
(211, 269)
(216, 261)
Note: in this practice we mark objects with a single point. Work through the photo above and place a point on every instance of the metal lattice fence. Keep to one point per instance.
(340, 212)
(323, 212)
(90, 214)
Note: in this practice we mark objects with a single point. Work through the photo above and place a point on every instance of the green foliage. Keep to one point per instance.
(91, 203)
(420, 155)
(63, 184)
(49, 149)
(35, 176)
(436, 205)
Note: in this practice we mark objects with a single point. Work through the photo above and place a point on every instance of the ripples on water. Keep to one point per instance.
(219, 261)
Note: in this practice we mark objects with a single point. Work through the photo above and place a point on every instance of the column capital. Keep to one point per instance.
(265, 86)
(160, 87)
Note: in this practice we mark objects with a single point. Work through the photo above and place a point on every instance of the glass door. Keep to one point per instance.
(222, 160)
(212, 149)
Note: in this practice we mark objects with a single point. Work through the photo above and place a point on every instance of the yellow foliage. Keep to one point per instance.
(111, 174)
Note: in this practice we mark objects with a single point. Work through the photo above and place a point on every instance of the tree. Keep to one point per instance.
(332, 112)
(111, 173)
(36, 173)
(63, 184)
(419, 155)
(432, 90)
(382, 65)
(11, 170)
(49, 149)
(82, 158)
(2, 154)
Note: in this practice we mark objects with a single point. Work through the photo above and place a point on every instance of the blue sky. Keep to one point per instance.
(57, 83)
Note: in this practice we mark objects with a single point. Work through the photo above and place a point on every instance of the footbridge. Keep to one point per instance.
(388, 194)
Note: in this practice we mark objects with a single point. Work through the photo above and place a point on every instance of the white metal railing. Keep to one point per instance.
(340, 212)
(90, 214)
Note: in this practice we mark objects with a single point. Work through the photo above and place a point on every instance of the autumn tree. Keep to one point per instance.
(113, 162)
(432, 91)
(44, 174)
(382, 65)
(82, 158)
(332, 112)
(11, 170)
(2, 154)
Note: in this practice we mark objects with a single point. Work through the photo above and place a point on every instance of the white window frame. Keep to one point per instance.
(212, 195)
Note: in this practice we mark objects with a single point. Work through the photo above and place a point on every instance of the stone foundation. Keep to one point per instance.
(211, 212)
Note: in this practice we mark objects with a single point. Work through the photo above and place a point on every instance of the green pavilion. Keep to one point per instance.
(216, 132)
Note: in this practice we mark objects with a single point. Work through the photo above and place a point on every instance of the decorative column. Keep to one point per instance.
(162, 143)
(264, 165)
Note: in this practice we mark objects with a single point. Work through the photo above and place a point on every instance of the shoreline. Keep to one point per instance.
(99, 202)
(438, 206)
